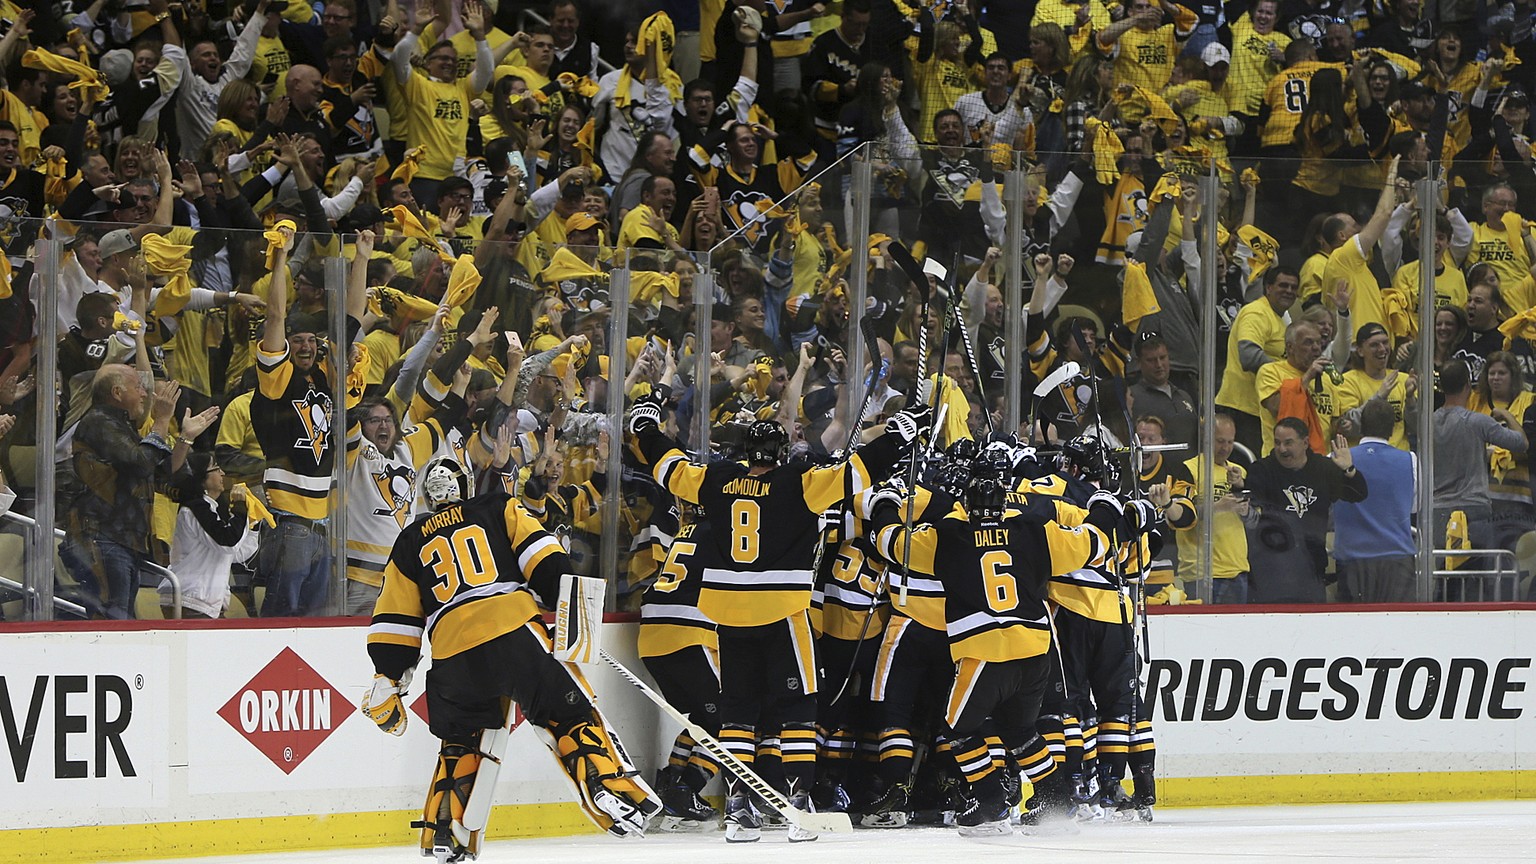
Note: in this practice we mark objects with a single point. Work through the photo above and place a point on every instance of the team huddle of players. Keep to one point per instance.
(896, 650)
(889, 651)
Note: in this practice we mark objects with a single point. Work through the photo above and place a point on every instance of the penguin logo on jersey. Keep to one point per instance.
(395, 484)
(1299, 499)
(314, 411)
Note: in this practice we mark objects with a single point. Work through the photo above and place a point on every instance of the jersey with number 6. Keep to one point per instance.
(463, 575)
(995, 575)
(756, 569)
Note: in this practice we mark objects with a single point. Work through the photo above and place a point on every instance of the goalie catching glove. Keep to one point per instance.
(383, 704)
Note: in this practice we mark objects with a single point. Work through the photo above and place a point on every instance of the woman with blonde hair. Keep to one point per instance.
(1502, 385)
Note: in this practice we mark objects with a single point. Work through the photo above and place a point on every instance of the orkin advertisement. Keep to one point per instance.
(84, 723)
(1236, 695)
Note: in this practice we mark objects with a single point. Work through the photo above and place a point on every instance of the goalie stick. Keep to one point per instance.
(821, 823)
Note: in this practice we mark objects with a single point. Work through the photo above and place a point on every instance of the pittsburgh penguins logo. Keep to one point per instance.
(956, 181)
(1299, 499)
(12, 212)
(395, 484)
(314, 410)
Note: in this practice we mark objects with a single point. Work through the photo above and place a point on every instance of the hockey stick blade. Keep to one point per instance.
(914, 271)
(821, 823)
(1064, 373)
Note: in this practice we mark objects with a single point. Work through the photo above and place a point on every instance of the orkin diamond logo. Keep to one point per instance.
(287, 710)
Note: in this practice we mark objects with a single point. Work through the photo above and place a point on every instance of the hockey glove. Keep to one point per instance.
(382, 703)
(906, 423)
(645, 416)
(889, 493)
(1143, 516)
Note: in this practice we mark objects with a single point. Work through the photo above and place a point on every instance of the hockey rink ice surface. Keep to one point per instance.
(1484, 831)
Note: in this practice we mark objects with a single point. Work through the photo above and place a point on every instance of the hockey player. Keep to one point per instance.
(1095, 624)
(680, 650)
(756, 580)
(469, 576)
(997, 562)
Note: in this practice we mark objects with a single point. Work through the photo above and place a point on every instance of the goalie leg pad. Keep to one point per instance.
(442, 818)
(613, 797)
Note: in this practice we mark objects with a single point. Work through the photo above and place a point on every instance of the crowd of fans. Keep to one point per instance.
(480, 173)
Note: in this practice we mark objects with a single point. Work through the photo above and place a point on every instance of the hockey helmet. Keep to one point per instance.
(951, 477)
(963, 450)
(765, 443)
(986, 495)
(1086, 454)
(444, 482)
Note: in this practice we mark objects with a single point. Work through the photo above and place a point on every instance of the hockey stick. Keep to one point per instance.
(970, 354)
(828, 823)
(903, 258)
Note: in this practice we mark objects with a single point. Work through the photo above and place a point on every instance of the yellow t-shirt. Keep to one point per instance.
(1145, 58)
(1267, 383)
(1257, 323)
(28, 130)
(1252, 68)
(1349, 262)
(1502, 248)
(269, 66)
(1229, 540)
(1065, 15)
(1312, 277)
(438, 119)
(1358, 387)
(636, 228)
(940, 84)
(1450, 285)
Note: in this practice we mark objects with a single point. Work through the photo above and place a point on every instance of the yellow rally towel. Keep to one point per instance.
(275, 239)
(1140, 102)
(761, 376)
(409, 164)
(411, 307)
(1167, 187)
(56, 185)
(91, 84)
(1500, 463)
(175, 261)
(1401, 319)
(565, 265)
(1106, 150)
(1137, 301)
(1250, 176)
(407, 223)
(647, 285)
(1264, 248)
(462, 282)
(255, 509)
(357, 374)
(581, 85)
(1457, 536)
(1520, 326)
(958, 416)
(123, 322)
(656, 34)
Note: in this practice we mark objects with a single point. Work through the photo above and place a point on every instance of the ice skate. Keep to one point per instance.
(743, 824)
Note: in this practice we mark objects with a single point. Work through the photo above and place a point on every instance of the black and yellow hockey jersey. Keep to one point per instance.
(756, 568)
(670, 619)
(924, 590)
(995, 575)
(1092, 591)
(292, 414)
(463, 576)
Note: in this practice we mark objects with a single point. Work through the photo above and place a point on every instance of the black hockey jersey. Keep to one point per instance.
(757, 567)
(463, 576)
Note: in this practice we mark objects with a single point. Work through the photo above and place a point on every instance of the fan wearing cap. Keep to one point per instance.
(1202, 101)
(575, 269)
(1371, 377)
(1145, 42)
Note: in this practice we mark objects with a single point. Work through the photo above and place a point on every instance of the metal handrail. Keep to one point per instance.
(150, 566)
(58, 602)
(1500, 557)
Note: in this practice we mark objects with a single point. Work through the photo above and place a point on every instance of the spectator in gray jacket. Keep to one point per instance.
(1462, 437)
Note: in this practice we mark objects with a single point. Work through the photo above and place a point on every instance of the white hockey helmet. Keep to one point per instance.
(444, 483)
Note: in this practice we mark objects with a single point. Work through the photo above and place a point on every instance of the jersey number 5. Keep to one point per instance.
(674, 571)
(746, 516)
(1002, 591)
(463, 559)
